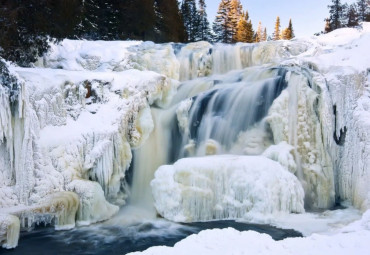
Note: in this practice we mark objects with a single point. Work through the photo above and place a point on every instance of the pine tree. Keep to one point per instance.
(169, 24)
(336, 10)
(290, 31)
(352, 15)
(235, 14)
(222, 26)
(264, 36)
(362, 9)
(25, 30)
(244, 29)
(191, 19)
(204, 31)
(276, 35)
(137, 19)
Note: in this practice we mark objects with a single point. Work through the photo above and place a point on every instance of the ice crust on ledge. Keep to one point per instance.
(67, 126)
(225, 187)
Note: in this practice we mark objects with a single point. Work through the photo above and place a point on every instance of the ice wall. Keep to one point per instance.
(64, 130)
(300, 117)
(351, 107)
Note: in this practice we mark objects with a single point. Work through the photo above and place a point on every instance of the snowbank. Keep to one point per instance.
(225, 187)
(353, 239)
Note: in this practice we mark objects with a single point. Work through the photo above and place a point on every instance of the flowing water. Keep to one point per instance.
(219, 114)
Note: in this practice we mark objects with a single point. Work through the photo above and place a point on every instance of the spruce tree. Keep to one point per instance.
(264, 36)
(336, 10)
(169, 24)
(204, 31)
(244, 29)
(235, 13)
(352, 16)
(222, 26)
(137, 19)
(191, 19)
(362, 9)
(290, 30)
(276, 35)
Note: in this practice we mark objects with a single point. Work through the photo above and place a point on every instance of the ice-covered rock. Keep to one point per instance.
(225, 187)
(93, 206)
(9, 231)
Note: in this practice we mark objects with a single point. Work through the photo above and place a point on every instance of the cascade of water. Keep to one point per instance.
(152, 154)
(234, 105)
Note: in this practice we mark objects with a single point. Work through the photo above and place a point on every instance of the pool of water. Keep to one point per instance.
(109, 239)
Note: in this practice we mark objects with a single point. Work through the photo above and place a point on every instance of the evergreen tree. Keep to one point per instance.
(25, 30)
(191, 19)
(222, 25)
(204, 31)
(362, 9)
(244, 29)
(88, 27)
(352, 16)
(264, 36)
(336, 10)
(235, 13)
(276, 35)
(290, 31)
(137, 19)
(169, 25)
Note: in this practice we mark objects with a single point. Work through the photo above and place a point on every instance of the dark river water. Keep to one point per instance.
(107, 240)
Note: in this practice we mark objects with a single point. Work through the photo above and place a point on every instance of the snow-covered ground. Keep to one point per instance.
(69, 125)
(352, 239)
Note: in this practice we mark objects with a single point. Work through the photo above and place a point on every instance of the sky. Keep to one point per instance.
(307, 15)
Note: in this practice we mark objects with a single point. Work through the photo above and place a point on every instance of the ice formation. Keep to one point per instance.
(222, 187)
(9, 231)
(69, 125)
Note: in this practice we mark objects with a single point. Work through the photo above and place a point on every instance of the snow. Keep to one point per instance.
(67, 133)
(352, 239)
(225, 187)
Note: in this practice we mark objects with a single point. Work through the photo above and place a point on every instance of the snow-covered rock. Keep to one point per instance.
(225, 187)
